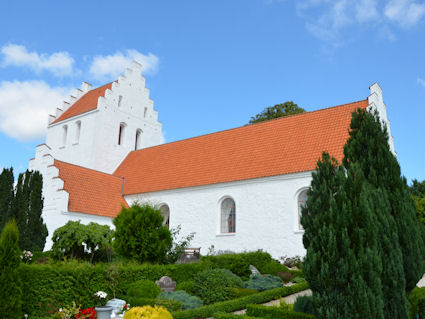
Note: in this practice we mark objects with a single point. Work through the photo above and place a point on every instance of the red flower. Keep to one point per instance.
(88, 313)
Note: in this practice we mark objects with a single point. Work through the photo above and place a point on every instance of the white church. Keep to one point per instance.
(240, 189)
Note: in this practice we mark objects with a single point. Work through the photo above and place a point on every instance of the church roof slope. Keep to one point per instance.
(86, 103)
(286, 145)
(90, 191)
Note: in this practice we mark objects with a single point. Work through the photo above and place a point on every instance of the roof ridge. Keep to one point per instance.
(90, 169)
(247, 125)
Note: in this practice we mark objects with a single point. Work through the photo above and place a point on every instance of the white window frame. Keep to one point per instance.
(220, 225)
(299, 227)
(165, 222)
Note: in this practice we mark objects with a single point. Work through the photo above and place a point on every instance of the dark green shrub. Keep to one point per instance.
(273, 268)
(239, 303)
(187, 301)
(144, 289)
(140, 234)
(214, 285)
(263, 282)
(304, 304)
(170, 305)
(414, 296)
(186, 286)
(421, 308)
(10, 281)
(275, 312)
(242, 292)
(239, 263)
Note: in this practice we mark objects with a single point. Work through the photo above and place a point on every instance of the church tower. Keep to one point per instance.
(97, 128)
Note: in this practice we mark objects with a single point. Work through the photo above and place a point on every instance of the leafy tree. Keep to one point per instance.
(368, 146)
(139, 234)
(6, 195)
(279, 110)
(11, 291)
(342, 263)
(76, 240)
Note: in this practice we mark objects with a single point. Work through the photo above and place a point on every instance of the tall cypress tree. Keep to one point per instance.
(6, 195)
(27, 208)
(36, 228)
(11, 290)
(368, 146)
(342, 264)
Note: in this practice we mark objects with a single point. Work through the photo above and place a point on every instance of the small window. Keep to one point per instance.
(77, 132)
(228, 216)
(302, 200)
(121, 134)
(137, 140)
(146, 110)
(64, 134)
(165, 212)
(119, 100)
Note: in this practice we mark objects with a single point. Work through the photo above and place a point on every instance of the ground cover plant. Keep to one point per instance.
(187, 301)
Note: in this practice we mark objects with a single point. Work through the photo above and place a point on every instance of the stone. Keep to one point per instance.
(116, 304)
(254, 271)
(166, 284)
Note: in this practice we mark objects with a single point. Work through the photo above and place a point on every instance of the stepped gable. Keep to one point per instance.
(282, 146)
(85, 103)
(90, 191)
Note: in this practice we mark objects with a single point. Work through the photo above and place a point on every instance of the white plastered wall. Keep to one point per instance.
(266, 213)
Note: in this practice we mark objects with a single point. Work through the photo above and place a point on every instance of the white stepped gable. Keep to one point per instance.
(93, 138)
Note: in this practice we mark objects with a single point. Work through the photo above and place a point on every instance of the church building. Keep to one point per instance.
(240, 189)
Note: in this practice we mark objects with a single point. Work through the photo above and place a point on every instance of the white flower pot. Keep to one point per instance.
(103, 312)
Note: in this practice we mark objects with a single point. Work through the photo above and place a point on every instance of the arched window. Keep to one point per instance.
(228, 216)
(119, 100)
(165, 212)
(302, 199)
(64, 134)
(137, 140)
(121, 134)
(77, 132)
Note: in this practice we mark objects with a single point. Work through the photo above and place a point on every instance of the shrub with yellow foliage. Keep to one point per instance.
(148, 312)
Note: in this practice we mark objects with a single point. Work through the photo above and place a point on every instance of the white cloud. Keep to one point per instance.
(111, 66)
(366, 11)
(421, 82)
(58, 63)
(24, 107)
(405, 12)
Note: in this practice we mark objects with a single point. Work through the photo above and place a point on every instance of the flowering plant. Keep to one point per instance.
(124, 308)
(89, 313)
(26, 256)
(286, 277)
(100, 298)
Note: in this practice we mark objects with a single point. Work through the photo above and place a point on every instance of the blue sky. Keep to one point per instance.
(211, 65)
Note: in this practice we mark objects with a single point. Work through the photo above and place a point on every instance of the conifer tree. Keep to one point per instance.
(10, 282)
(368, 146)
(342, 264)
(6, 195)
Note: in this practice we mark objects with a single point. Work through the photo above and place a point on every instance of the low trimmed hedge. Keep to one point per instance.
(239, 303)
(223, 315)
(275, 312)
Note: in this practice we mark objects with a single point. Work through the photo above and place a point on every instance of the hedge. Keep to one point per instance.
(275, 312)
(223, 315)
(47, 287)
(169, 304)
(239, 303)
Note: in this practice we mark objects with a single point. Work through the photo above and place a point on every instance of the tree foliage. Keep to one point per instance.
(76, 240)
(6, 195)
(279, 110)
(363, 241)
(417, 190)
(11, 291)
(140, 234)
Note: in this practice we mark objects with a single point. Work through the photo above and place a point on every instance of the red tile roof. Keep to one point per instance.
(282, 146)
(86, 103)
(91, 192)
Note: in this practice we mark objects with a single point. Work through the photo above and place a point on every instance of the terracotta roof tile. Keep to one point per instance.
(282, 146)
(86, 103)
(91, 192)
